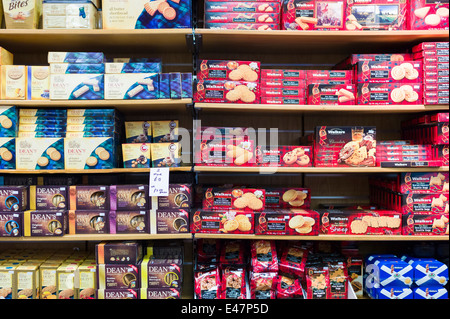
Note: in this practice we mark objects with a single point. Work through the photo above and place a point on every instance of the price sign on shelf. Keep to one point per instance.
(159, 181)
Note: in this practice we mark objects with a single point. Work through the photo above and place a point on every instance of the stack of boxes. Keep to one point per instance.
(13, 202)
(283, 86)
(243, 15)
(403, 153)
(8, 132)
(434, 57)
(330, 87)
(70, 15)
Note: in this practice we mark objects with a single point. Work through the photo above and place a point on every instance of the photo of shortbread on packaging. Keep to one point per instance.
(389, 93)
(129, 222)
(11, 225)
(214, 91)
(136, 155)
(13, 82)
(39, 153)
(7, 153)
(429, 15)
(76, 86)
(129, 197)
(8, 121)
(389, 71)
(90, 153)
(248, 71)
(131, 86)
(166, 154)
(45, 223)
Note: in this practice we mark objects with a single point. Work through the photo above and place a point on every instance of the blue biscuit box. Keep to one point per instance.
(392, 272)
(429, 271)
(393, 292)
(7, 153)
(164, 86)
(430, 292)
(8, 121)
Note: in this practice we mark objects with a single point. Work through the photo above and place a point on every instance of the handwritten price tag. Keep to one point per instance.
(159, 182)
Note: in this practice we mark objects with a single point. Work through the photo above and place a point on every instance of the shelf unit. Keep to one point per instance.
(325, 170)
(92, 171)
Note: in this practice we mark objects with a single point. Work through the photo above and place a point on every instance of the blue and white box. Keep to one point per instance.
(77, 86)
(394, 292)
(131, 86)
(389, 271)
(143, 67)
(429, 271)
(430, 292)
(76, 57)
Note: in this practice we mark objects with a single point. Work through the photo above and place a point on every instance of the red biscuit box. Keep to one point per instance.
(428, 15)
(222, 222)
(244, 17)
(389, 93)
(423, 182)
(313, 15)
(381, 57)
(441, 152)
(283, 92)
(283, 100)
(425, 224)
(439, 117)
(333, 75)
(439, 133)
(291, 156)
(288, 197)
(439, 59)
(283, 74)
(430, 46)
(228, 152)
(437, 101)
(212, 91)
(435, 95)
(331, 94)
(303, 222)
(391, 71)
(242, 6)
(220, 133)
(241, 199)
(229, 70)
(376, 15)
(430, 53)
(404, 158)
(431, 202)
(282, 83)
(242, 26)
(287, 222)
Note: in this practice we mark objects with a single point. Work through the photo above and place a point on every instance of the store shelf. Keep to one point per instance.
(97, 237)
(150, 40)
(327, 237)
(121, 105)
(91, 171)
(340, 170)
(313, 41)
(319, 108)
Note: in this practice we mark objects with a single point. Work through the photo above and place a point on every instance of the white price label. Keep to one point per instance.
(159, 181)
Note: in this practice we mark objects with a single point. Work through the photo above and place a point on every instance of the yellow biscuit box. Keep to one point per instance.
(7, 280)
(48, 280)
(27, 282)
(6, 57)
(165, 131)
(136, 155)
(14, 82)
(166, 154)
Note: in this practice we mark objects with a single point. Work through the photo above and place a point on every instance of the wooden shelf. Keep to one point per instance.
(339, 170)
(150, 40)
(91, 171)
(97, 237)
(121, 105)
(313, 41)
(319, 108)
(327, 237)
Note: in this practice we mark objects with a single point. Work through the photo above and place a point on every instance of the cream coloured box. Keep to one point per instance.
(90, 153)
(6, 57)
(76, 86)
(13, 82)
(27, 282)
(22, 14)
(38, 83)
(39, 153)
(131, 86)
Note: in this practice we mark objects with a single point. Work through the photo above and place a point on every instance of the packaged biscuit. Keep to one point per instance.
(118, 276)
(263, 256)
(295, 197)
(222, 221)
(376, 15)
(425, 224)
(22, 15)
(292, 156)
(72, 15)
(26, 282)
(7, 153)
(43, 113)
(133, 67)
(242, 6)
(65, 281)
(48, 280)
(175, 85)
(165, 131)
(136, 155)
(133, 86)
(313, 15)
(38, 83)
(331, 94)
(244, 17)
(84, 197)
(112, 294)
(242, 26)
(164, 86)
(13, 82)
(92, 112)
(263, 285)
(180, 197)
(45, 223)
(169, 221)
(39, 153)
(138, 132)
(6, 57)
(86, 281)
(389, 71)
(282, 83)
(11, 224)
(48, 197)
(49, 120)
(142, 14)
(7, 281)
(186, 86)
(129, 197)
(129, 222)
(77, 68)
(240, 199)
(116, 252)
(428, 15)
(13, 198)
(88, 222)
(51, 128)
(166, 154)
(389, 93)
(215, 91)
(230, 152)
(90, 153)
(161, 273)
(76, 86)
(160, 293)
(248, 71)
(423, 182)
(435, 292)
(75, 57)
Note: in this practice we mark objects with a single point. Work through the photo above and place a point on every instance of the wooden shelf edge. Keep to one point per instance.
(92, 171)
(98, 237)
(340, 170)
(94, 103)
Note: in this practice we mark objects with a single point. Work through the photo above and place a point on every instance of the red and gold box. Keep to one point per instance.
(290, 156)
(288, 197)
(425, 224)
(212, 91)
(248, 71)
(428, 15)
(222, 222)
(242, 17)
(331, 94)
(389, 93)
(300, 222)
(390, 71)
(226, 152)
(238, 199)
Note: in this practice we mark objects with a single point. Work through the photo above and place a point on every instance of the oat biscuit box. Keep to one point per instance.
(126, 276)
(85, 197)
(117, 294)
(11, 224)
(22, 14)
(129, 222)
(7, 153)
(48, 197)
(90, 153)
(161, 273)
(26, 282)
(39, 153)
(86, 281)
(65, 281)
(125, 252)
(180, 197)
(160, 293)
(428, 15)
(88, 222)
(313, 15)
(144, 14)
(45, 223)
(7, 281)
(166, 221)
(129, 197)
(8, 121)
(13, 198)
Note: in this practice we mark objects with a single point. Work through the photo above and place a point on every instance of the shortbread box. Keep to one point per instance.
(393, 293)
(441, 152)
(129, 222)
(331, 94)
(282, 74)
(169, 221)
(131, 86)
(8, 121)
(282, 83)
(313, 15)
(92, 112)
(161, 273)
(138, 132)
(87, 197)
(423, 182)
(215, 91)
(242, 6)
(242, 26)
(288, 197)
(180, 197)
(90, 153)
(115, 252)
(389, 93)
(47, 197)
(284, 100)
(391, 271)
(228, 152)
(136, 155)
(117, 294)
(86, 281)
(290, 156)
(11, 224)
(428, 271)
(13, 82)
(77, 86)
(433, 292)
(88, 222)
(226, 70)
(26, 278)
(48, 280)
(425, 224)
(222, 221)
(13, 198)
(41, 121)
(165, 131)
(7, 277)
(140, 14)
(7, 153)
(371, 15)
(45, 223)
(428, 15)
(166, 154)
(376, 57)
(283, 92)
(244, 17)
(38, 83)
(238, 198)
(287, 222)
(330, 75)
(389, 71)
(77, 68)
(129, 197)
(133, 67)
(431, 202)
(43, 113)
(118, 276)
(429, 46)
(75, 57)
(160, 293)
(218, 133)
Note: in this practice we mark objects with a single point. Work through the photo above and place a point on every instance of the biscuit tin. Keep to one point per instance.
(430, 293)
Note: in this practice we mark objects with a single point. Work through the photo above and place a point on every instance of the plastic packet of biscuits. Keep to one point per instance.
(293, 259)
(288, 287)
(264, 256)
(263, 285)
(233, 283)
(207, 284)
(232, 253)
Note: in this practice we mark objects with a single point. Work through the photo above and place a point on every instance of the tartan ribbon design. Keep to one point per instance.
(323, 136)
(158, 21)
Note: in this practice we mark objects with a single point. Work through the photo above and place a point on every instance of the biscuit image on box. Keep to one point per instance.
(7, 153)
(166, 154)
(8, 121)
(136, 155)
(90, 153)
(138, 132)
(165, 131)
(40, 153)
